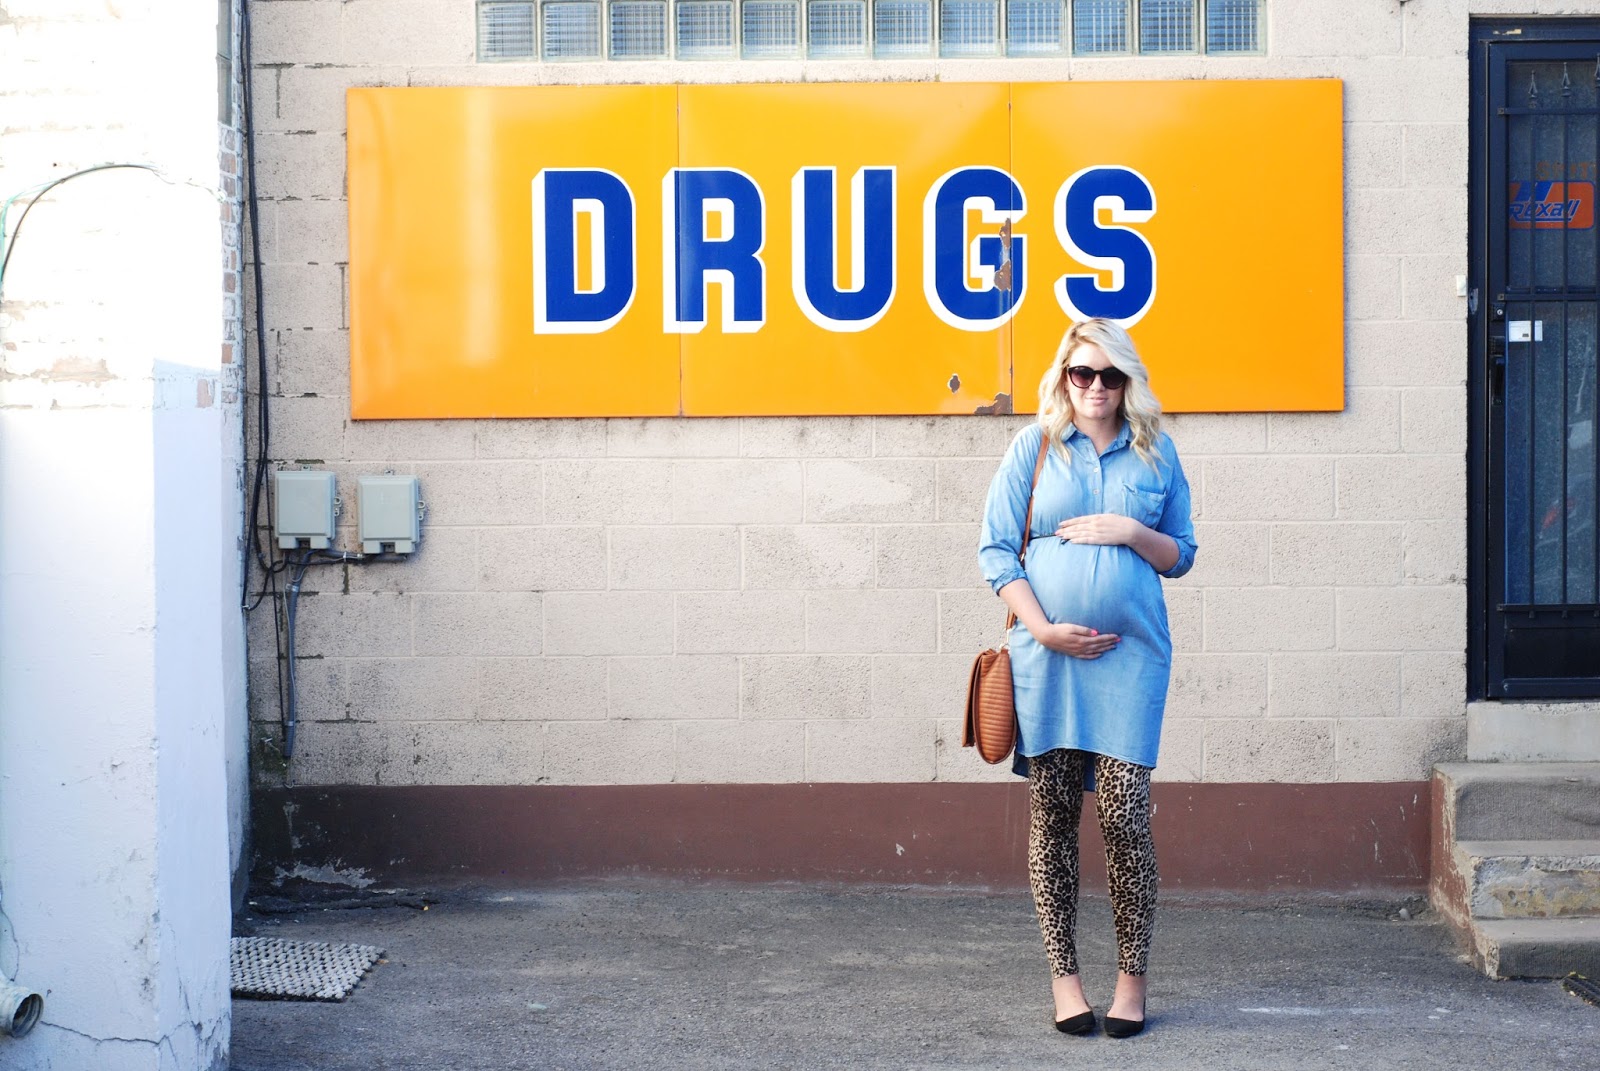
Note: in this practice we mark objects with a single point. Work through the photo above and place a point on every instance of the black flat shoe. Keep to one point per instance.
(1080, 1024)
(1123, 1028)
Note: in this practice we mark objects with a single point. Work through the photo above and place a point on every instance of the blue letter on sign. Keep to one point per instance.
(1128, 197)
(693, 259)
(564, 304)
(952, 258)
(816, 255)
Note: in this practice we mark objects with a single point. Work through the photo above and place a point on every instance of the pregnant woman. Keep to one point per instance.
(1091, 653)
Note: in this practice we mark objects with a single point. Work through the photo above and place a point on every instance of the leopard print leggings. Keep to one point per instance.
(1122, 803)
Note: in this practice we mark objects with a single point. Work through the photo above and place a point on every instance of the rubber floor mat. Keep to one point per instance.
(1582, 988)
(270, 968)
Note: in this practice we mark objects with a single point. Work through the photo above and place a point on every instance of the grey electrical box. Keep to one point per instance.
(391, 512)
(304, 508)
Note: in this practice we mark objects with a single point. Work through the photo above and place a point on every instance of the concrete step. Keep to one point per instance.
(1522, 800)
(1530, 879)
(1563, 730)
(1537, 948)
(1516, 864)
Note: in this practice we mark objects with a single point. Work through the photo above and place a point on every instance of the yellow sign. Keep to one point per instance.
(835, 249)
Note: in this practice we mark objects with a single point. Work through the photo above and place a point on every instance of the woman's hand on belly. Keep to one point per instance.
(1115, 530)
(1074, 640)
(1101, 529)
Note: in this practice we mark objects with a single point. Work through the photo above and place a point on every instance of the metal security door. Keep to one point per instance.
(1537, 142)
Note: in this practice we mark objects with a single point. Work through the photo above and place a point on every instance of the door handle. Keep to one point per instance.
(1497, 366)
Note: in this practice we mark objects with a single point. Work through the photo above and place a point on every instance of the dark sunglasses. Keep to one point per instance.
(1082, 377)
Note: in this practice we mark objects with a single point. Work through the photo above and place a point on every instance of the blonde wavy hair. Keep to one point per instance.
(1138, 405)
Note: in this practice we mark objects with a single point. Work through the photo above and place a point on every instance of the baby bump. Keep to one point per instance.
(1109, 589)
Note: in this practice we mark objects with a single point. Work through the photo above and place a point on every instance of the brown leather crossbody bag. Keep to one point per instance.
(991, 721)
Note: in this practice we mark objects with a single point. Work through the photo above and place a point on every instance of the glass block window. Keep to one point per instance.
(505, 30)
(902, 27)
(1099, 26)
(837, 28)
(571, 29)
(638, 29)
(1033, 27)
(969, 27)
(1233, 25)
(771, 28)
(1167, 26)
(853, 29)
(706, 29)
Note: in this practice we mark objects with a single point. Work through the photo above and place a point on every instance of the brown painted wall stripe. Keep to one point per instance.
(1244, 837)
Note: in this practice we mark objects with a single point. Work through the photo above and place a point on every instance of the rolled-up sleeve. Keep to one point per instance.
(1000, 541)
(1175, 520)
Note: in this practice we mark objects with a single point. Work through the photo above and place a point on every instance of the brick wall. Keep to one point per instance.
(616, 601)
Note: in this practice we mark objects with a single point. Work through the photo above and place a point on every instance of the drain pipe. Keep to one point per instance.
(20, 1008)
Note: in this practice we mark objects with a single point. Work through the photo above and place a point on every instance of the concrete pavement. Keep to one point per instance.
(665, 974)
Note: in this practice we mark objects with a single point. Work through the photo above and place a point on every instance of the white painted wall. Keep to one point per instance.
(120, 637)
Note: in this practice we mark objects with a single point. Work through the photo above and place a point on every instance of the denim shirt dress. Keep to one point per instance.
(1111, 705)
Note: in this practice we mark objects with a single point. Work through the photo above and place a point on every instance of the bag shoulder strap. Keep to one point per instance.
(1027, 520)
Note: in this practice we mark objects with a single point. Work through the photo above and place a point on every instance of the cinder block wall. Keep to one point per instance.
(772, 600)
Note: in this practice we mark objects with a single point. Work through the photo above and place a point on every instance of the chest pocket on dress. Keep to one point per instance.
(1143, 506)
